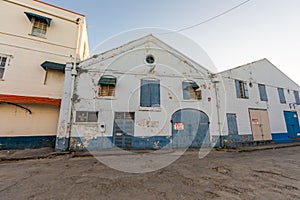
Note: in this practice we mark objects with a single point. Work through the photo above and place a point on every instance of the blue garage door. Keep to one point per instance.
(292, 123)
(190, 128)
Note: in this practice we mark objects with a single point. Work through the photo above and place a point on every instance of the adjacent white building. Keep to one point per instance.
(36, 40)
(262, 104)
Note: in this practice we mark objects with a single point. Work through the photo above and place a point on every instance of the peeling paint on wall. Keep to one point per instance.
(148, 123)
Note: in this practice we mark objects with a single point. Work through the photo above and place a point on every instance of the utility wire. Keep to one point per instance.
(211, 18)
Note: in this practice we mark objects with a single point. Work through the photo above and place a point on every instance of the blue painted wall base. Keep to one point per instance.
(32, 142)
(232, 141)
(138, 143)
(62, 144)
(283, 138)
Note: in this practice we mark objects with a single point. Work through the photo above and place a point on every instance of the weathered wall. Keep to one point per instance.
(260, 72)
(129, 68)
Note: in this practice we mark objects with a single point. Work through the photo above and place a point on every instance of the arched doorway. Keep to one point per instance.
(190, 128)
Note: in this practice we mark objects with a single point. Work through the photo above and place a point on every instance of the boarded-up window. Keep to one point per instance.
(107, 85)
(150, 93)
(232, 124)
(297, 99)
(191, 91)
(241, 89)
(281, 95)
(262, 92)
(86, 116)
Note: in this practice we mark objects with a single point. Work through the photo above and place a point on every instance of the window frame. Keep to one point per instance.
(296, 96)
(7, 59)
(39, 27)
(281, 95)
(87, 117)
(241, 88)
(110, 95)
(148, 100)
(262, 92)
(190, 91)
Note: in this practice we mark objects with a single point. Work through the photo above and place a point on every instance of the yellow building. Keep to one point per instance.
(36, 40)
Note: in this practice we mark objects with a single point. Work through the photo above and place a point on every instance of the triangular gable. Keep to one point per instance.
(149, 39)
(262, 71)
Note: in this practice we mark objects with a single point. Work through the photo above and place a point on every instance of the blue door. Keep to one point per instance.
(123, 129)
(292, 123)
(190, 128)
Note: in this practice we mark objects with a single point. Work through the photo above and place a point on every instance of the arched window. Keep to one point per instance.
(191, 90)
(107, 85)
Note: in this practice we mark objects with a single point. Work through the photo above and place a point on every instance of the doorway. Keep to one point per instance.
(190, 128)
(260, 125)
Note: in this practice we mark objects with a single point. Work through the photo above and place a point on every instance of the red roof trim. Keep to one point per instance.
(29, 100)
(48, 4)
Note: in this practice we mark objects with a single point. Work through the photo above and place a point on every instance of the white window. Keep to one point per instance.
(86, 116)
(3, 65)
(39, 27)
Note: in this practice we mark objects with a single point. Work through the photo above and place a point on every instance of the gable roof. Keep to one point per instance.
(264, 60)
(139, 42)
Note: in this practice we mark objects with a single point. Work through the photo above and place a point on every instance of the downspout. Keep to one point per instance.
(215, 81)
(73, 74)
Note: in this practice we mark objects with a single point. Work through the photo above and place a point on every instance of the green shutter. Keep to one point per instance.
(107, 81)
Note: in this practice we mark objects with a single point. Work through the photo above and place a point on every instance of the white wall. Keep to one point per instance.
(129, 68)
(260, 72)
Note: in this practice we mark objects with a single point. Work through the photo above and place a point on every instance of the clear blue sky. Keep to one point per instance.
(259, 29)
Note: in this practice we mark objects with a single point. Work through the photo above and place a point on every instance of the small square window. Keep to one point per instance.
(86, 116)
(107, 86)
(191, 91)
(39, 27)
(106, 90)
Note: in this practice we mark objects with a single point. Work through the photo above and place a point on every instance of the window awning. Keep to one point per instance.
(52, 65)
(191, 84)
(32, 15)
(108, 81)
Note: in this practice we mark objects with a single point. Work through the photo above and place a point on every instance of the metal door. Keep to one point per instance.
(292, 123)
(232, 124)
(190, 128)
(123, 129)
(260, 125)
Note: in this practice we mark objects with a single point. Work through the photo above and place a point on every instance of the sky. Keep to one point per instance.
(258, 29)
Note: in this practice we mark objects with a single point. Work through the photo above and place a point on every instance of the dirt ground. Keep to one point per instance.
(269, 174)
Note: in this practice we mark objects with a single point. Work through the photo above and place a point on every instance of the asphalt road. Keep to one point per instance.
(268, 174)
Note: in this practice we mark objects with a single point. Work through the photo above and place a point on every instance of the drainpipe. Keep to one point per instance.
(215, 81)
